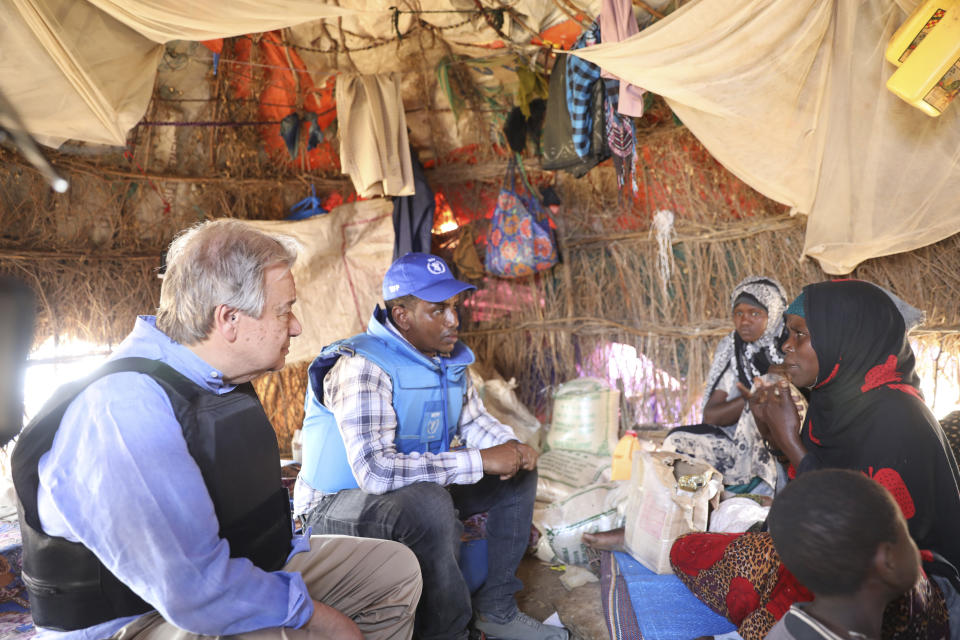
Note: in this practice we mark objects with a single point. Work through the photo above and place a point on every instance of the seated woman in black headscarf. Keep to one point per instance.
(848, 345)
(728, 440)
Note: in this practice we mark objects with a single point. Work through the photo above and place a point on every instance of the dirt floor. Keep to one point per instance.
(543, 593)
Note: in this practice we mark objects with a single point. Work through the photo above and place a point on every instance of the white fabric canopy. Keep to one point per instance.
(789, 95)
(85, 69)
(72, 71)
(165, 20)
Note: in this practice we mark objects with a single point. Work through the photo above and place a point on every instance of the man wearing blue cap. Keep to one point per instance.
(397, 445)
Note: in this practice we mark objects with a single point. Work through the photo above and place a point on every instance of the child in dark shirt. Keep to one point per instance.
(843, 536)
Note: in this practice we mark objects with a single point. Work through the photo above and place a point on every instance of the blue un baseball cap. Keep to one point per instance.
(423, 275)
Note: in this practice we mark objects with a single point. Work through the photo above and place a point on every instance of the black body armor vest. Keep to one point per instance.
(235, 447)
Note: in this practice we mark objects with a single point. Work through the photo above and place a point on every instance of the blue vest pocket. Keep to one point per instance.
(422, 431)
(415, 378)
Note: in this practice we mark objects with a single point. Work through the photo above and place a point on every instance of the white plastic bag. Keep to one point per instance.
(659, 510)
(501, 401)
(591, 509)
(736, 515)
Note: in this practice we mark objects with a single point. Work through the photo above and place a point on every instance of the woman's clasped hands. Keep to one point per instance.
(776, 416)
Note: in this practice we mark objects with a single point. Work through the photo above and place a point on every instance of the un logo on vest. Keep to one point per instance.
(436, 267)
(433, 423)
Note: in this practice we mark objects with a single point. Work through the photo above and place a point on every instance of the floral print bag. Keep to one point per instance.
(520, 241)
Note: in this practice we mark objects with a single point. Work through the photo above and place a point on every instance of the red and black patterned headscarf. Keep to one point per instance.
(867, 413)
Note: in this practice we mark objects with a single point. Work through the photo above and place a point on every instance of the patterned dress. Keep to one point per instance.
(738, 451)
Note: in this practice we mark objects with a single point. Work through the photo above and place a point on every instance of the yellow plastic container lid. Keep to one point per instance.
(916, 27)
(927, 50)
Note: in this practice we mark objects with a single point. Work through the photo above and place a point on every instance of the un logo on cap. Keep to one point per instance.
(436, 267)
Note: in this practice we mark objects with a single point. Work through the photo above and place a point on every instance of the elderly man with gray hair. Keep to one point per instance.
(151, 503)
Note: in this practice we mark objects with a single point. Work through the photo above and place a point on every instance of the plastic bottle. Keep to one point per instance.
(623, 455)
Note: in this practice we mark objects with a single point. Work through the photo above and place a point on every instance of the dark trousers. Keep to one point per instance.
(426, 518)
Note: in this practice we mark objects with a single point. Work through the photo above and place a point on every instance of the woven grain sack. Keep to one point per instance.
(586, 417)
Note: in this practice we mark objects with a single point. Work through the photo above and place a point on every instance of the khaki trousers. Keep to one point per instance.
(374, 582)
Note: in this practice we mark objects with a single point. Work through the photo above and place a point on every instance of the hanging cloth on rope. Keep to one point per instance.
(788, 96)
(618, 22)
(581, 76)
(621, 136)
(374, 150)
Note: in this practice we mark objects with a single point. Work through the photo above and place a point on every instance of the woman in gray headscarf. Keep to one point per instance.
(728, 439)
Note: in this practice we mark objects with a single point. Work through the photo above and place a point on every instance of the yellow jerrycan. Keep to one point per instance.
(623, 456)
(926, 48)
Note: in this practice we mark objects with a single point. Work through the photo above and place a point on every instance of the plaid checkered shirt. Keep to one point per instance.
(580, 78)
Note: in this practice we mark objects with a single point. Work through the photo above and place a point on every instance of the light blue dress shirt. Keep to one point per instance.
(119, 480)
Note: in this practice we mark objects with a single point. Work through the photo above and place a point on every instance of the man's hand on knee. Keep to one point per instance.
(508, 458)
(333, 624)
(528, 455)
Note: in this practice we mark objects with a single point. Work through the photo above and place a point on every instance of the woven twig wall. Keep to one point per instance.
(92, 255)
(610, 288)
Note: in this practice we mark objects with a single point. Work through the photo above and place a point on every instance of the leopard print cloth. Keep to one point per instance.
(740, 576)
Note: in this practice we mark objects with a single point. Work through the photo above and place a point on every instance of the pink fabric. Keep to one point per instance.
(617, 22)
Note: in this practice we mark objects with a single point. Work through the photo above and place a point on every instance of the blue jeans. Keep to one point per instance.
(426, 518)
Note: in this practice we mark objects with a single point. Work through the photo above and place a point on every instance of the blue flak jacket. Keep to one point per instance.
(428, 395)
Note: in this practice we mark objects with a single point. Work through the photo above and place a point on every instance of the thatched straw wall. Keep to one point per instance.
(608, 289)
(92, 254)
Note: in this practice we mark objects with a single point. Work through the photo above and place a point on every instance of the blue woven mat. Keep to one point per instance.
(664, 607)
(615, 599)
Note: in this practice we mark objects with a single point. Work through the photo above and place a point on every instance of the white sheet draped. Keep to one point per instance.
(789, 95)
(85, 69)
